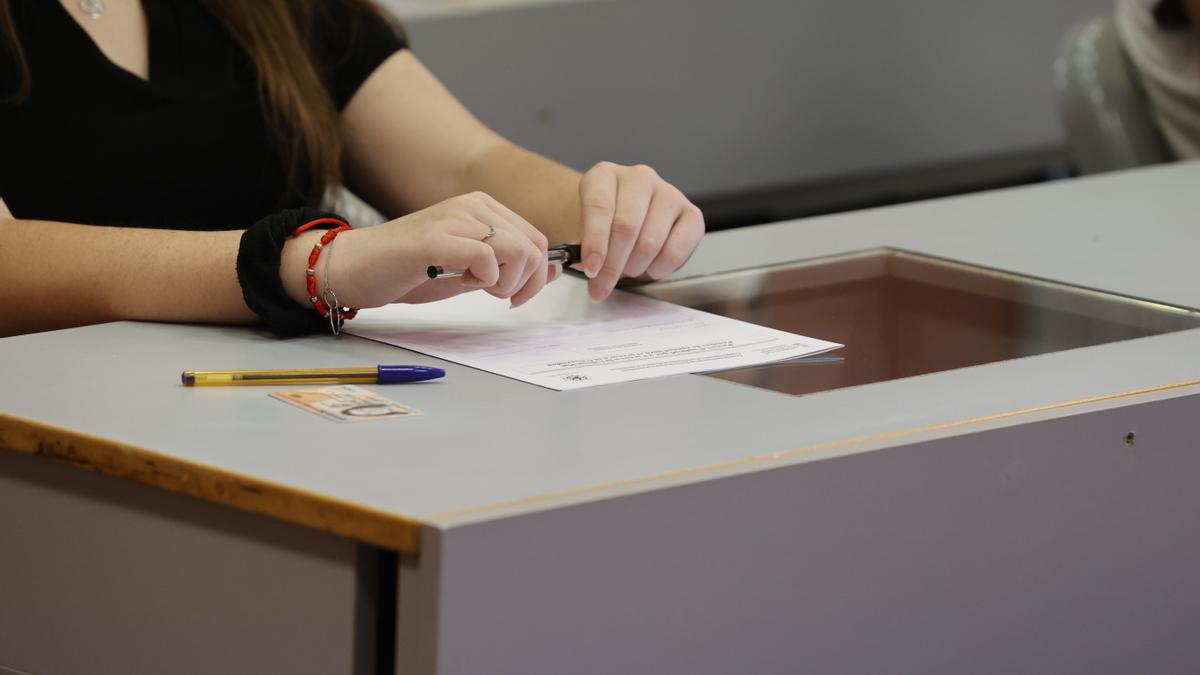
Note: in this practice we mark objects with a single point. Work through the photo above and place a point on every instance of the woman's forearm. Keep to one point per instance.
(57, 275)
(410, 144)
(401, 161)
(545, 192)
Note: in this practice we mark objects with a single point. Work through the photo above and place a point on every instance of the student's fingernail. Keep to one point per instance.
(591, 265)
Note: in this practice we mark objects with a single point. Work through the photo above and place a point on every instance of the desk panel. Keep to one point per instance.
(1057, 546)
(104, 576)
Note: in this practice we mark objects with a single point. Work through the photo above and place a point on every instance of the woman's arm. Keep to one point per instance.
(410, 143)
(57, 275)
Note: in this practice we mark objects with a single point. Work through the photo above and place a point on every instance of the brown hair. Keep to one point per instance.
(8, 33)
(277, 35)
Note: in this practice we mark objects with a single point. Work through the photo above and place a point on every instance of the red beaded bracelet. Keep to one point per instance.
(328, 306)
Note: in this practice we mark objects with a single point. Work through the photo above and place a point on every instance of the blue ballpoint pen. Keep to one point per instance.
(367, 375)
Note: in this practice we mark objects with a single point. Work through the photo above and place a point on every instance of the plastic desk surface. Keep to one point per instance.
(108, 397)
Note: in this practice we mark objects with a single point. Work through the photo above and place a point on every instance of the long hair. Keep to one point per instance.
(277, 36)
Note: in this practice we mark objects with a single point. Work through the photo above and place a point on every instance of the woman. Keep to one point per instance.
(193, 129)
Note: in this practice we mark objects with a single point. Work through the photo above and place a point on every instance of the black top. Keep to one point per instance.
(190, 149)
(1170, 14)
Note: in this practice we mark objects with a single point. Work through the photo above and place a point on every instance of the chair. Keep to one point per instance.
(1108, 119)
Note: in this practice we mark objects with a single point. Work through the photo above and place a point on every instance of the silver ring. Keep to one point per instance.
(491, 233)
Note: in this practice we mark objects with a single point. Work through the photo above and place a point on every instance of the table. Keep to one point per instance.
(988, 519)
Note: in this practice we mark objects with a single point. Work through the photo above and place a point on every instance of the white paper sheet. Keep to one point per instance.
(561, 340)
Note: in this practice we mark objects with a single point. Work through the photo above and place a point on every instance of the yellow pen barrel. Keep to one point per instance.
(223, 378)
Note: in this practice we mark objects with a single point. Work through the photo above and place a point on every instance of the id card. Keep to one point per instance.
(345, 403)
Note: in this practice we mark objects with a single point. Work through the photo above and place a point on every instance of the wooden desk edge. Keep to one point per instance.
(387, 530)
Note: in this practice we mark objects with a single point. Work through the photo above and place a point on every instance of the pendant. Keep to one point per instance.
(93, 8)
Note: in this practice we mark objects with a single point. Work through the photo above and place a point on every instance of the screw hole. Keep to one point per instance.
(1129, 438)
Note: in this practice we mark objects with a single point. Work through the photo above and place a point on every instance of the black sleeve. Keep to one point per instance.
(1171, 14)
(349, 43)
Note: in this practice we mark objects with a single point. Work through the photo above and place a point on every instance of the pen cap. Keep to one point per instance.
(395, 374)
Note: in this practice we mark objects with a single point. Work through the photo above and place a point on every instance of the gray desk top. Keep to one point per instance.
(108, 396)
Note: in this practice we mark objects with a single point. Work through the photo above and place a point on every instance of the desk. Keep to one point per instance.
(989, 519)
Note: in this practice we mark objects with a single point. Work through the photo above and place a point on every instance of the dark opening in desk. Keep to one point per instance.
(902, 314)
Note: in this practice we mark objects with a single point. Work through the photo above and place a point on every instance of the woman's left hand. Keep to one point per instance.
(635, 224)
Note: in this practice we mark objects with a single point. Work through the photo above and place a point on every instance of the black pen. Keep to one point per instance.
(566, 254)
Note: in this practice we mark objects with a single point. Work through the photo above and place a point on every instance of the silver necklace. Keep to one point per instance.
(93, 8)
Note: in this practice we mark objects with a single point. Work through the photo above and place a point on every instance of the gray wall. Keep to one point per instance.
(725, 96)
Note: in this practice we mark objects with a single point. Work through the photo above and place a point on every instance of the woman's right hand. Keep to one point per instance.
(387, 263)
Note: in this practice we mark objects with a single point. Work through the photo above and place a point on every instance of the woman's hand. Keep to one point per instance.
(387, 263)
(635, 224)
(409, 142)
